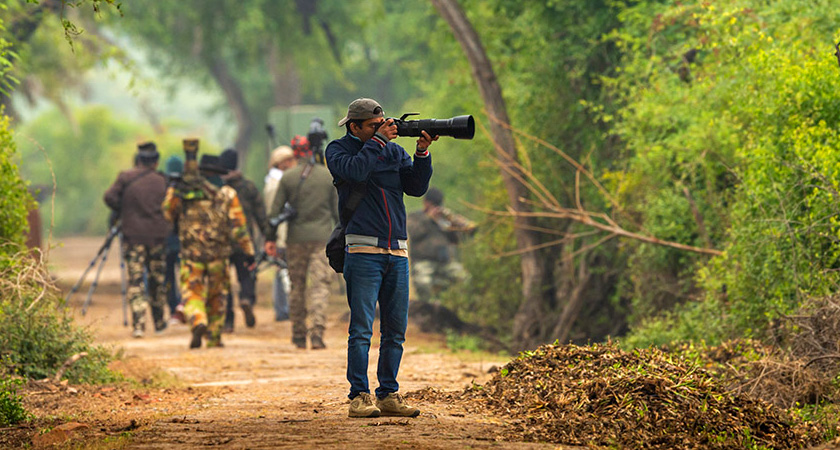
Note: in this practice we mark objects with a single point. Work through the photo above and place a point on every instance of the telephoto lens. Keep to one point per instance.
(458, 127)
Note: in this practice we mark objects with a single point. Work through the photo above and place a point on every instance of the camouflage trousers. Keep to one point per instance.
(310, 274)
(204, 289)
(430, 278)
(145, 266)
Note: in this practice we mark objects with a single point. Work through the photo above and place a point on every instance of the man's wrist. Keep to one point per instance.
(421, 152)
(380, 139)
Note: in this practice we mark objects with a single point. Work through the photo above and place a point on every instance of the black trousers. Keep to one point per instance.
(247, 286)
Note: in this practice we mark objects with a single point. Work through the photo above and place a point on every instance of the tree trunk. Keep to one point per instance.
(236, 100)
(285, 79)
(528, 326)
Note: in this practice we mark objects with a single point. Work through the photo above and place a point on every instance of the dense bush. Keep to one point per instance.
(15, 201)
(735, 150)
(37, 333)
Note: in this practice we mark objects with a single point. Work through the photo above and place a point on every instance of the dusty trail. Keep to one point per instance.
(259, 391)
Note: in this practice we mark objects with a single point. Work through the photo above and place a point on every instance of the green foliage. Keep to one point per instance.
(11, 404)
(736, 151)
(37, 332)
(85, 158)
(15, 201)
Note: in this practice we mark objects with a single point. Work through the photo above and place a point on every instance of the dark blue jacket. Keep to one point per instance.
(390, 173)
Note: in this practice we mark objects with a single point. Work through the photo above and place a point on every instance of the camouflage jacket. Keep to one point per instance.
(251, 201)
(434, 240)
(208, 225)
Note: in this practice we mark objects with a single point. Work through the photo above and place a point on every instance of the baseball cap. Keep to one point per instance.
(362, 109)
(280, 154)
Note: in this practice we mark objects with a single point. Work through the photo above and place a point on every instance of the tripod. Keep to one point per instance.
(101, 257)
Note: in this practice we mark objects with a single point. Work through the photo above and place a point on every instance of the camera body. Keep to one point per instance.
(458, 127)
(288, 213)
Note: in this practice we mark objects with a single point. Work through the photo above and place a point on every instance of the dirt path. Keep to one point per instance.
(259, 391)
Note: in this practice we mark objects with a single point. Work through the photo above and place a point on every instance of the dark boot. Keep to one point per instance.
(316, 338)
(248, 312)
(317, 342)
(197, 334)
(300, 342)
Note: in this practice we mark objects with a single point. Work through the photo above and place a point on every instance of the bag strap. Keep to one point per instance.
(357, 193)
(304, 174)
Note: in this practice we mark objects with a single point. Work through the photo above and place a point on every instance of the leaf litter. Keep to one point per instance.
(601, 396)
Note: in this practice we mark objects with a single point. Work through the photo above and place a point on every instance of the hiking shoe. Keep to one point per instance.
(317, 343)
(394, 405)
(248, 311)
(137, 333)
(197, 334)
(299, 342)
(362, 406)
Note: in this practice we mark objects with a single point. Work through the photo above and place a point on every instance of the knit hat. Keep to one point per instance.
(434, 196)
(362, 109)
(280, 154)
(229, 159)
(174, 167)
(210, 163)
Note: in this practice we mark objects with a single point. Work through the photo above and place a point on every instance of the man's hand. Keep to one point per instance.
(270, 248)
(434, 211)
(388, 129)
(424, 141)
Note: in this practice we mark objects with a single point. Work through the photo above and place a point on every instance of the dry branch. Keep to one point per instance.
(70, 361)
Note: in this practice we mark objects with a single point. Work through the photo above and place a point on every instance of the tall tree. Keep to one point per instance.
(526, 323)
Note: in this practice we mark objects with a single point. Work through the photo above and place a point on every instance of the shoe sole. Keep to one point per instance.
(412, 415)
(359, 416)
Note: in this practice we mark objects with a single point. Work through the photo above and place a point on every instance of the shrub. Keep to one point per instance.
(11, 405)
(15, 201)
(37, 332)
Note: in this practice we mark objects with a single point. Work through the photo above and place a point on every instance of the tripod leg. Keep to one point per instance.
(99, 254)
(96, 278)
(123, 283)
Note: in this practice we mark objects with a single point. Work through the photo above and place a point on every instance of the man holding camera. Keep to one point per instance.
(307, 200)
(376, 260)
(136, 197)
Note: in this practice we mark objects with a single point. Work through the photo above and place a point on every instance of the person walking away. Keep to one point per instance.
(174, 170)
(254, 209)
(282, 159)
(376, 262)
(136, 198)
(306, 188)
(433, 234)
(210, 220)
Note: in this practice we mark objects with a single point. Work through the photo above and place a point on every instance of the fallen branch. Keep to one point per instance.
(67, 365)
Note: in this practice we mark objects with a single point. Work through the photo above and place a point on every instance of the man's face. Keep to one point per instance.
(368, 128)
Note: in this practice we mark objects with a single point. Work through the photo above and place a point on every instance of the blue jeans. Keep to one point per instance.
(370, 278)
